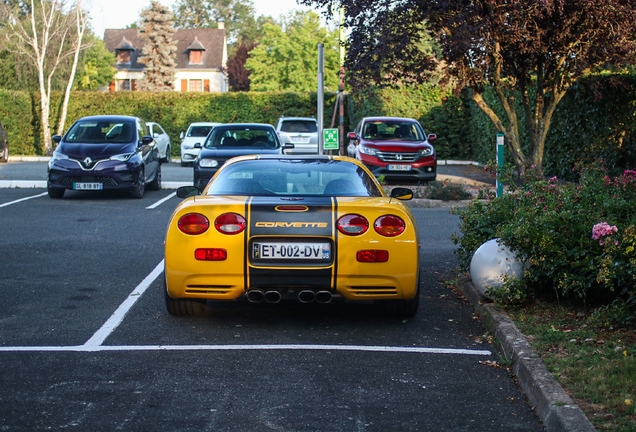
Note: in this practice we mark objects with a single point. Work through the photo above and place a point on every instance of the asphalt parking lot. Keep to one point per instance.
(86, 342)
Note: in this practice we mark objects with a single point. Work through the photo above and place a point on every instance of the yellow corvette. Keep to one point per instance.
(308, 229)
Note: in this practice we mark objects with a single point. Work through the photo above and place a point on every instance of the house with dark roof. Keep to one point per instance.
(200, 59)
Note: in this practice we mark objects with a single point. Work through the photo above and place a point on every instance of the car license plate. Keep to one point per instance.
(300, 140)
(313, 251)
(88, 186)
(399, 167)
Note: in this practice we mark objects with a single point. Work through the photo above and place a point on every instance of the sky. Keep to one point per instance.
(117, 14)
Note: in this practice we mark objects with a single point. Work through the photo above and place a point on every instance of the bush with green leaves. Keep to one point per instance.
(578, 239)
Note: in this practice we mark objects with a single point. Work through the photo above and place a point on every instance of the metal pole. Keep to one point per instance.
(321, 96)
(500, 162)
(341, 96)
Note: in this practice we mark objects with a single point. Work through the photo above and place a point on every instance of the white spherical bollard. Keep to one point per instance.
(491, 262)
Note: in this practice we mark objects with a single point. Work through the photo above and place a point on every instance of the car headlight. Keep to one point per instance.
(56, 157)
(367, 150)
(122, 157)
(425, 152)
(208, 163)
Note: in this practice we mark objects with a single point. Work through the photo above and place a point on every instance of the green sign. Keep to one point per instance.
(330, 139)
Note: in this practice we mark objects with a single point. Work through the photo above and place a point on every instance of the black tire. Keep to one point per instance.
(401, 308)
(55, 193)
(155, 184)
(183, 307)
(4, 157)
(167, 158)
(139, 190)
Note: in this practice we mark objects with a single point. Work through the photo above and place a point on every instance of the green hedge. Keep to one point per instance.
(596, 119)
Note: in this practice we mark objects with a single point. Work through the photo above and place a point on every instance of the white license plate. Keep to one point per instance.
(399, 167)
(300, 140)
(88, 186)
(314, 251)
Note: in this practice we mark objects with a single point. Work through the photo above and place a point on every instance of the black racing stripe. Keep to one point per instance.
(271, 278)
(266, 220)
(246, 239)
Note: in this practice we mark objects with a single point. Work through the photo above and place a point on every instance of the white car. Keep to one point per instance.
(195, 134)
(162, 139)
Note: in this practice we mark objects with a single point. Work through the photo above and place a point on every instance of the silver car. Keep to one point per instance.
(302, 132)
(162, 139)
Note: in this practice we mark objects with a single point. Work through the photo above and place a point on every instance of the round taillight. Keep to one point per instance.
(353, 224)
(230, 223)
(389, 225)
(193, 223)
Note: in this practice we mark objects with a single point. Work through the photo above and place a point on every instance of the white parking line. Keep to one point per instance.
(161, 201)
(116, 318)
(22, 199)
(384, 349)
(94, 344)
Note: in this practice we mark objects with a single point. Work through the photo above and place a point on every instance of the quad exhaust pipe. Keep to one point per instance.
(259, 296)
(304, 296)
(308, 296)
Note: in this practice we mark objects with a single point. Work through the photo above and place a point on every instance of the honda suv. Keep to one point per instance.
(302, 132)
(394, 147)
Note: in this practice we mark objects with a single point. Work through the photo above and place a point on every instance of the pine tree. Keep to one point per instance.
(157, 23)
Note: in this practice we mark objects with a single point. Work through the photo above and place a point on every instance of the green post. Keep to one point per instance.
(500, 161)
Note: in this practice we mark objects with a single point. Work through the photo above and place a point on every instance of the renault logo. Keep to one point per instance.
(88, 161)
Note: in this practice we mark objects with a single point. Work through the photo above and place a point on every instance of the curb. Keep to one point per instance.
(555, 408)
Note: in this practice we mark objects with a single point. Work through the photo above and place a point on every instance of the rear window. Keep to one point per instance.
(299, 126)
(252, 137)
(269, 177)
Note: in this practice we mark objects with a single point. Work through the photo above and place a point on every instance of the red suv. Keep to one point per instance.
(394, 147)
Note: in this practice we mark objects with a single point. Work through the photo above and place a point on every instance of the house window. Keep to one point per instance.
(123, 56)
(196, 57)
(195, 85)
(123, 85)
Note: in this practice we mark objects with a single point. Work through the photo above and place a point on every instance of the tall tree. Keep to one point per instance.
(41, 32)
(237, 15)
(81, 23)
(96, 69)
(238, 76)
(286, 58)
(158, 54)
(523, 49)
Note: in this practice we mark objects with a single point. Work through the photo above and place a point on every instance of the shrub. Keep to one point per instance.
(565, 231)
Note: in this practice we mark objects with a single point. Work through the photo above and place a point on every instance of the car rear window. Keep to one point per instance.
(252, 137)
(270, 177)
(306, 126)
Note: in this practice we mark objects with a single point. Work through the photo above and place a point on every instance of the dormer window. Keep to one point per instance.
(124, 51)
(195, 52)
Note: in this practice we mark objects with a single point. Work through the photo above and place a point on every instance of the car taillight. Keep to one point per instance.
(210, 254)
(230, 223)
(389, 226)
(353, 224)
(193, 224)
(372, 255)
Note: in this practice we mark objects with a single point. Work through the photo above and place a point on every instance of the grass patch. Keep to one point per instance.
(596, 365)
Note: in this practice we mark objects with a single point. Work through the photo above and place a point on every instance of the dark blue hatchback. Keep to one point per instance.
(109, 152)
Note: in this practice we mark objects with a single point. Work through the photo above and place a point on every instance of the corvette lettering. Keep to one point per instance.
(291, 224)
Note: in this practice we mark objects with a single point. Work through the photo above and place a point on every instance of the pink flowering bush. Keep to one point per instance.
(548, 223)
(601, 230)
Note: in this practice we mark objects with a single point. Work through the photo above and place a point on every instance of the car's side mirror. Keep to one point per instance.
(198, 145)
(156, 134)
(352, 135)
(432, 137)
(401, 193)
(147, 140)
(182, 135)
(187, 191)
(56, 138)
(288, 146)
